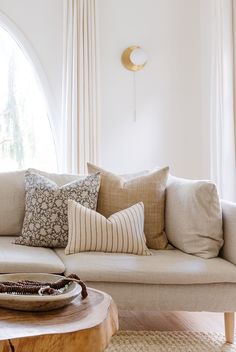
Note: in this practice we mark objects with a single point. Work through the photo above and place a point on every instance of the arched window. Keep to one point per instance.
(26, 138)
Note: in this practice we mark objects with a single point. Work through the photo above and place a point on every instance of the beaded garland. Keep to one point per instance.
(29, 287)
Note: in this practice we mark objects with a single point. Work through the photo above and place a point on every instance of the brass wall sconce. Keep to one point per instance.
(134, 58)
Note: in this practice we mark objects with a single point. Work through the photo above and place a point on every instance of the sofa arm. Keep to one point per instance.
(228, 251)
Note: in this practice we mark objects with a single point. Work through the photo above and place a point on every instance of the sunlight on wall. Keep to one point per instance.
(26, 138)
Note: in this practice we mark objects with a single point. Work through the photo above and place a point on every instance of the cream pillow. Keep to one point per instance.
(193, 220)
(122, 232)
(116, 194)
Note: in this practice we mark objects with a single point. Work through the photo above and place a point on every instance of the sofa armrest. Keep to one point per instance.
(228, 251)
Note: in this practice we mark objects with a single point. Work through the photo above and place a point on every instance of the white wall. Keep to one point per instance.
(40, 21)
(171, 114)
(170, 125)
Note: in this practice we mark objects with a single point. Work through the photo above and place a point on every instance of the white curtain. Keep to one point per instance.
(80, 112)
(222, 112)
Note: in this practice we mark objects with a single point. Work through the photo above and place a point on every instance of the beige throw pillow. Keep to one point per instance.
(193, 220)
(122, 232)
(117, 194)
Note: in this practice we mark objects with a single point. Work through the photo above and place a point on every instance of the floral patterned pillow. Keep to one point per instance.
(45, 223)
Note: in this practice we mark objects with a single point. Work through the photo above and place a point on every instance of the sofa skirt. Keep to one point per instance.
(192, 298)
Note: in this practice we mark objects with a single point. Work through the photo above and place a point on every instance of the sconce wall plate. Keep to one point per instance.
(134, 58)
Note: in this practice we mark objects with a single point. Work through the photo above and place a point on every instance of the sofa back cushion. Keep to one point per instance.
(12, 198)
(59, 179)
(193, 217)
(12, 202)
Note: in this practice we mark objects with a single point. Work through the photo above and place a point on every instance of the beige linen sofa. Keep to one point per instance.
(168, 280)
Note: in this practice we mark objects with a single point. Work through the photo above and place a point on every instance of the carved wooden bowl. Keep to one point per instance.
(36, 302)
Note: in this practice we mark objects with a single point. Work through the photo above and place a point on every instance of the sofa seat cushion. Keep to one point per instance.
(163, 267)
(15, 258)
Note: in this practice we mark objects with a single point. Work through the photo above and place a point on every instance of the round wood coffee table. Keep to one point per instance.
(83, 326)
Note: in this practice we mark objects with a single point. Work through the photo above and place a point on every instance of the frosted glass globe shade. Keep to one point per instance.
(138, 57)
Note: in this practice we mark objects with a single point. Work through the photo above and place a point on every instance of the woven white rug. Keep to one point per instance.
(158, 341)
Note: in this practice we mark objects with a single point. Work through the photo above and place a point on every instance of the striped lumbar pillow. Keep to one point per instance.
(122, 232)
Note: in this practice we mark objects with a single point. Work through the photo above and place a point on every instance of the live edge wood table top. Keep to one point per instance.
(82, 326)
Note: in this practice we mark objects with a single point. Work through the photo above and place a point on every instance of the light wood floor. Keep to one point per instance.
(168, 321)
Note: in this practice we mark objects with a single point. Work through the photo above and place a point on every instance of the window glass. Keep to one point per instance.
(26, 138)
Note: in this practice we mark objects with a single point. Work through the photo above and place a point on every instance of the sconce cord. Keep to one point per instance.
(135, 96)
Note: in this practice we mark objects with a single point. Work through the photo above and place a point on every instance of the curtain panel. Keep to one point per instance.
(80, 91)
(222, 97)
